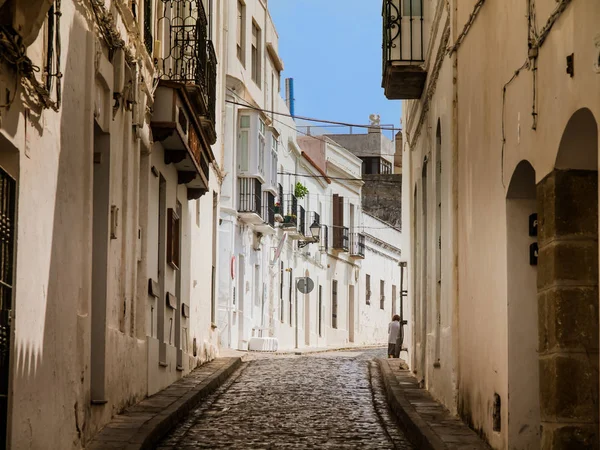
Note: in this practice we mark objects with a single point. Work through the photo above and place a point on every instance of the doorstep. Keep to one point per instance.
(143, 425)
(426, 422)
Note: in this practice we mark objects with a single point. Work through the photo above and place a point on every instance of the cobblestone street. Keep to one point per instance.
(328, 400)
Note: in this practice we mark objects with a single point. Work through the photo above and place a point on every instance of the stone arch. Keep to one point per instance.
(523, 415)
(578, 148)
(568, 289)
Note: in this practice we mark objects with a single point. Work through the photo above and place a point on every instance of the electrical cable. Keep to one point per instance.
(312, 119)
(293, 128)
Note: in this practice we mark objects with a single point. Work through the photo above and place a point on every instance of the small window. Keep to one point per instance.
(261, 147)
(241, 32)
(368, 289)
(281, 303)
(173, 238)
(334, 304)
(243, 142)
(256, 54)
(382, 293)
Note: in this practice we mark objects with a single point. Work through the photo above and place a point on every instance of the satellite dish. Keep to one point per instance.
(305, 285)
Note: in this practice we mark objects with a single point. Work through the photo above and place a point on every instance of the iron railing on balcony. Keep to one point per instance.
(188, 55)
(250, 190)
(302, 220)
(340, 238)
(269, 209)
(357, 245)
(403, 33)
(290, 209)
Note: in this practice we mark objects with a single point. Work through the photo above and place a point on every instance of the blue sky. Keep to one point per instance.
(332, 49)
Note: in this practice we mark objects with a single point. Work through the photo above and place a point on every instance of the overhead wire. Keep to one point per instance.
(293, 128)
(312, 119)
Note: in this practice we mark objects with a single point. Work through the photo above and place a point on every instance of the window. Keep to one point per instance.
(386, 167)
(320, 310)
(148, 26)
(213, 310)
(376, 166)
(394, 300)
(413, 8)
(274, 166)
(243, 142)
(261, 146)
(256, 54)
(334, 304)
(173, 236)
(291, 288)
(382, 293)
(368, 289)
(340, 233)
(281, 304)
(241, 32)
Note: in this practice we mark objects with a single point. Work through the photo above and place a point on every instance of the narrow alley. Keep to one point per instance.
(330, 400)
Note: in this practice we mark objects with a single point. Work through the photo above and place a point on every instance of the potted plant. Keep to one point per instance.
(300, 191)
(290, 218)
(277, 212)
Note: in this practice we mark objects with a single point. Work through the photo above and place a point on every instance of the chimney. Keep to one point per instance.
(289, 95)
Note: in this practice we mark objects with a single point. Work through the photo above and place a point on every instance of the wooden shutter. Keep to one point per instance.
(338, 220)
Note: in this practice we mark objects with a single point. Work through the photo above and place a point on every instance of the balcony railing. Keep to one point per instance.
(340, 238)
(290, 218)
(302, 220)
(403, 48)
(269, 209)
(188, 55)
(357, 245)
(250, 190)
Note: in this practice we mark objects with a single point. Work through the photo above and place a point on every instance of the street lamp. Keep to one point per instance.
(315, 231)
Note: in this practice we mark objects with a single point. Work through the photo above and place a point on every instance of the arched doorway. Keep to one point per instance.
(568, 289)
(522, 307)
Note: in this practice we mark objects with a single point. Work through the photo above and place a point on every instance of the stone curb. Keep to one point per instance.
(152, 430)
(417, 430)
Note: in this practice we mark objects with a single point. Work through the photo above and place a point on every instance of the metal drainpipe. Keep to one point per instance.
(455, 338)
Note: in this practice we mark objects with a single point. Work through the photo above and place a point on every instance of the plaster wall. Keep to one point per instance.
(494, 133)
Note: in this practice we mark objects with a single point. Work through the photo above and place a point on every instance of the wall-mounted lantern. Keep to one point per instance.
(315, 231)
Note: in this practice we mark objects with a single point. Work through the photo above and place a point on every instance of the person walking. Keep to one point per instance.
(393, 333)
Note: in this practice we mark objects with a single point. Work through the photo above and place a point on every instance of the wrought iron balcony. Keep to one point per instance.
(340, 238)
(188, 56)
(290, 218)
(357, 245)
(250, 204)
(268, 214)
(403, 49)
(302, 221)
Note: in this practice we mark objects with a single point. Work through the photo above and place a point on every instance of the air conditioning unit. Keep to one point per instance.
(169, 108)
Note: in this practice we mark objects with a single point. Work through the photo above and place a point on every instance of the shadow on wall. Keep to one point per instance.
(50, 370)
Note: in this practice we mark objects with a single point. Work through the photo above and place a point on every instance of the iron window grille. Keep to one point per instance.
(250, 190)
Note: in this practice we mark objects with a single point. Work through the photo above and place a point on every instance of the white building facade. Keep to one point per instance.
(111, 182)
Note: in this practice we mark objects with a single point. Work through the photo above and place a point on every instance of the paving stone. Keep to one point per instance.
(332, 401)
